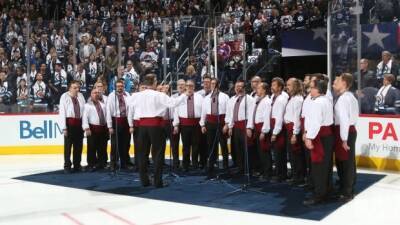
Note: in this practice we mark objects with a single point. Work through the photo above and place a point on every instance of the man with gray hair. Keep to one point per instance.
(387, 65)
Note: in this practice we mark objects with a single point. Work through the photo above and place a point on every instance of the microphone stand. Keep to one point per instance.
(244, 188)
(171, 174)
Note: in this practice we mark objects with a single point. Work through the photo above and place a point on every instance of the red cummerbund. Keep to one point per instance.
(258, 127)
(74, 122)
(166, 122)
(241, 124)
(151, 122)
(215, 119)
(189, 121)
(289, 128)
(325, 131)
(121, 121)
(136, 123)
(302, 119)
(98, 128)
(340, 153)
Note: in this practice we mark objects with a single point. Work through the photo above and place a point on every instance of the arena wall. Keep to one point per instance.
(377, 147)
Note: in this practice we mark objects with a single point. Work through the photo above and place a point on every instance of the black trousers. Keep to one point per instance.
(280, 158)
(136, 144)
(190, 141)
(265, 156)
(120, 144)
(321, 172)
(97, 149)
(239, 140)
(203, 150)
(151, 137)
(214, 137)
(347, 169)
(74, 140)
(297, 160)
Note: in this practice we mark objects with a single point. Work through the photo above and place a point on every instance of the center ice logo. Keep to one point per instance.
(48, 130)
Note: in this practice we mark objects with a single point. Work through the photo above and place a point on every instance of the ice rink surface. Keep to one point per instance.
(33, 190)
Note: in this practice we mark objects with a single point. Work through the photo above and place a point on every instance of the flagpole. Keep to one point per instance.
(358, 26)
(329, 44)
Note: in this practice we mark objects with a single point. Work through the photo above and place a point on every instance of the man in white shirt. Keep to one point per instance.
(319, 141)
(293, 127)
(117, 123)
(279, 99)
(186, 119)
(95, 126)
(71, 109)
(175, 138)
(212, 121)
(241, 105)
(203, 137)
(258, 128)
(150, 106)
(346, 114)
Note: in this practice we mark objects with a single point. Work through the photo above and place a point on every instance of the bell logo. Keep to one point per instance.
(387, 132)
(47, 130)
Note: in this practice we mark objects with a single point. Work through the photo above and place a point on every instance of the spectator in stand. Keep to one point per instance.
(22, 93)
(387, 95)
(39, 93)
(387, 65)
(368, 78)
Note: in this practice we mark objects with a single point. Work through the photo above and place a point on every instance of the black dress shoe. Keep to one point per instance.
(90, 168)
(161, 185)
(77, 169)
(344, 198)
(67, 170)
(312, 201)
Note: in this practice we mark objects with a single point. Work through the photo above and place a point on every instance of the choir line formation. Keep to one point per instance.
(300, 123)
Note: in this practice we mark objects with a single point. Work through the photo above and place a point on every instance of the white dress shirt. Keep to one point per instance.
(245, 107)
(346, 113)
(206, 108)
(90, 115)
(181, 110)
(278, 110)
(150, 103)
(263, 115)
(320, 115)
(131, 109)
(203, 93)
(113, 107)
(293, 111)
(306, 106)
(66, 108)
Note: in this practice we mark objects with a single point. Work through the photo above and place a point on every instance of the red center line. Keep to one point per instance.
(75, 221)
(116, 216)
(178, 221)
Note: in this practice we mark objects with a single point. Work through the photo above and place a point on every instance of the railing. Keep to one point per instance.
(196, 40)
(166, 77)
(184, 58)
(371, 12)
